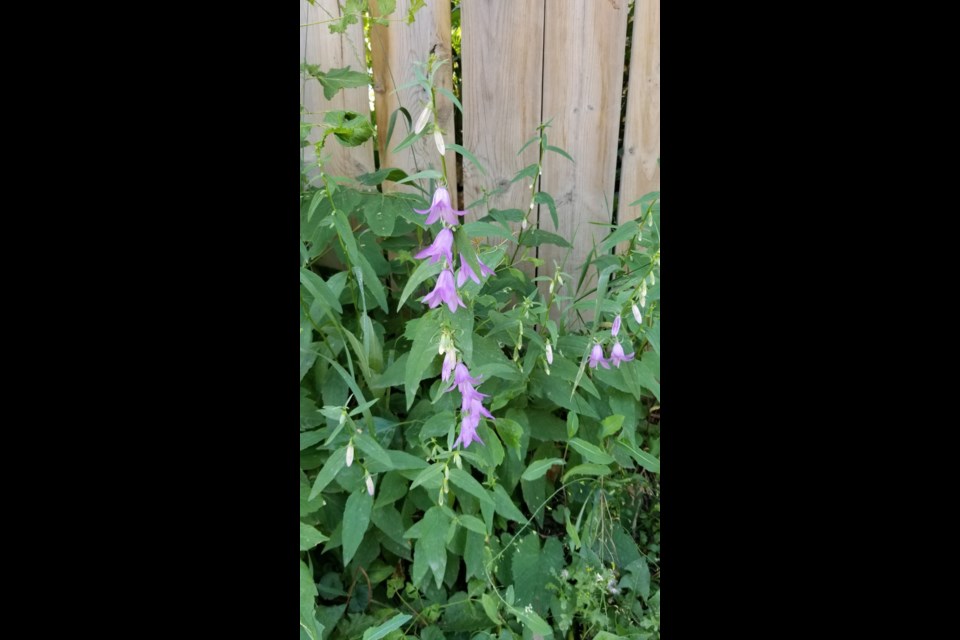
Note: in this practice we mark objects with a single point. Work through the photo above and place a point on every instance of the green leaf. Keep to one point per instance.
(560, 151)
(319, 290)
(505, 507)
(573, 424)
(591, 452)
(425, 347)
(425, 270)
(336, 462)
(350, 128)
(611, 425)
(310, 537)
(422, 175)
(393, 623)
(532, 569)
(430, 552)
(431, 472)
(356, 519)
(485, 229)
(406, 142)
(337, 79)
(547, 199)
(490, 607)
(510, 432)
(463, 152)
(373, 449)
(623, 233)
(538, 468)
(537, 237)
(530, 171)
(385, 7)
(465, 481)
(472, 523)
(587, 469)
(533, 622)
(643, 458)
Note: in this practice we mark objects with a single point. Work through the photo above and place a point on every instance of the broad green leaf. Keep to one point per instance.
(591, 452)
(505, 507)
(430, 552)
(392, 624)
(537, 237)
(573, 424)
(424, 270)
(373, 449)
(485, 229)
(356, 519)
(545, 198)
(533, 622)
(530, 171)
(336, 462)
(465, 481)
(490, 607)
(532, 569)
(643, 458)
(587, 469)
(539, 468)
(510, 432)
(611, 425)
(472, 523)
(319, 290)
(351, 129)
(310, 537)
(423, 351)
(337, 79)
(431, 472)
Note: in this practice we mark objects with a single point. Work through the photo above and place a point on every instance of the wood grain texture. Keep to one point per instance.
(640, 172)
(583, 81)
(502, 53)
(331, 50)
(396, 49)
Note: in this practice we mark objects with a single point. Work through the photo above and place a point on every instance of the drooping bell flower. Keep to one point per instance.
(466, 272)
(445, 292)
(441, 209)
(463, 381)
(473, 405)
(617, 356)
(596, 357)
(468, 431)
(442, 247)
(449, 362)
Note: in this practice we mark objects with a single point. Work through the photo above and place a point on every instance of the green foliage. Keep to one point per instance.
(551, 526)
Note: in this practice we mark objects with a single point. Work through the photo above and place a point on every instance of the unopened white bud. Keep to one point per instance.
(523, 224)
(350, 453)
(551, 287)
(440, 500)
(636, 314)
(549, 353)
(438, 138)
(370, 485)
(456, 460)
(422, 120)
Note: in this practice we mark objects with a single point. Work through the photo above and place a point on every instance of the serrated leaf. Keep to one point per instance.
(538, 468)
(430, 552)
(591, 452)
(344, 78)
(356, 519)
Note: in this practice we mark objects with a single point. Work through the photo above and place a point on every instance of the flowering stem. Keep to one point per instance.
(533, 187)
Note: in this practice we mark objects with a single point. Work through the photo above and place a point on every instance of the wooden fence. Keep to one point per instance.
(523, 62)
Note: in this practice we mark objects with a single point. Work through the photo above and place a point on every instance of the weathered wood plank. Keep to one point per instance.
(640, 171)
(583, 79)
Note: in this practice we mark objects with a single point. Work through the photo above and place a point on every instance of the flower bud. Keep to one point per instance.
(636, 314)
(549, 353)
(370, 485)
(350, 453)
(438, 138)
(422, 120)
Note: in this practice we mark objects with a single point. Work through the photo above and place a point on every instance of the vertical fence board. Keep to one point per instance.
(640, 173)
(502, 53)
(583, 79)
(331, 50)
(395, 51)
